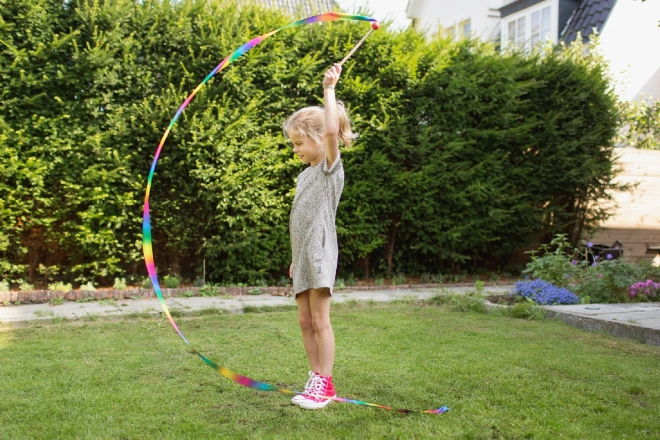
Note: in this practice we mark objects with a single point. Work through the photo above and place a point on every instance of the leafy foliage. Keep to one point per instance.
(544, 293)
(641, 124)
(465, 154)
(645, 289)
(601, 281)
(170, 282)
(60, 286)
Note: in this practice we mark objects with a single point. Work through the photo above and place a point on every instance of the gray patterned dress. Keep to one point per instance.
(312, 226)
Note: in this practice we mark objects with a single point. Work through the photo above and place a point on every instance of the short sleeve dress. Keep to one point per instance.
(312, 229)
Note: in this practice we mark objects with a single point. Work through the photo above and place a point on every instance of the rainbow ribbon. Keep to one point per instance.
(147, 244)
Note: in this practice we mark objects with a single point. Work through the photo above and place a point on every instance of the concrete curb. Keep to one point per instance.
(609, 318)
(44, 296)
(625, 330)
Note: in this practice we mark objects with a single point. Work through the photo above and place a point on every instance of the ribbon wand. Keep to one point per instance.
(147, 242)
(374, 26)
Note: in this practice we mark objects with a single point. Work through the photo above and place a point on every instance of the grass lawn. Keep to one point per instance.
(502, 378)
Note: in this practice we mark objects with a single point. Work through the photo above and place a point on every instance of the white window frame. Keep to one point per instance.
(520, 24)
(465, 33)
(541, 34)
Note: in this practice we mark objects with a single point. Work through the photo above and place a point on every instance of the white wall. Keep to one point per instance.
(630, 40)
(483, 15)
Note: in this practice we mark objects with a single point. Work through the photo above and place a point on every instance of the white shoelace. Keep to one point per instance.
(308, 385)
(317, 387)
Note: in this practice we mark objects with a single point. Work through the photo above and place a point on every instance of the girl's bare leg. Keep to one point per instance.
(319, 305)
(309, 335)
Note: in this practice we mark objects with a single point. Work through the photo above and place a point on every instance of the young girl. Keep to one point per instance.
(315, 133)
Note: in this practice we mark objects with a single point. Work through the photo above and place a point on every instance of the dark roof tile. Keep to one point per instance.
(588, 15)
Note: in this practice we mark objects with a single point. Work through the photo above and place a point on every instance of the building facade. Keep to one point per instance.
(628, 29)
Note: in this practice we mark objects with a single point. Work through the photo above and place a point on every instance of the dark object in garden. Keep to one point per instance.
(604, 252)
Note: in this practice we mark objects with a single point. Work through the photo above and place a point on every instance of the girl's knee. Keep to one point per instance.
(305, 321)
(321, 324)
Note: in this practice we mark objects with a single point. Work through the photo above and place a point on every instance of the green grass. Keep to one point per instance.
(502, 378)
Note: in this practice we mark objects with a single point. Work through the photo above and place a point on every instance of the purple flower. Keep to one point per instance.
(648, 288)
(593, 264)
(574, 262)
(609, 256)
(590, 244)
(595, 257)
(543, 292)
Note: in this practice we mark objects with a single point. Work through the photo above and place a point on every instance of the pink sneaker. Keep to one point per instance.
(308, 387)
(321, 388)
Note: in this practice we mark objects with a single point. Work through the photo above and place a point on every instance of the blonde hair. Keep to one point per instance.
(310, 121)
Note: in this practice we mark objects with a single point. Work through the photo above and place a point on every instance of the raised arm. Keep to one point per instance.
(331, 116)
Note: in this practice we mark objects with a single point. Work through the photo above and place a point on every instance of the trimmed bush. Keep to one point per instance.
(465, 156)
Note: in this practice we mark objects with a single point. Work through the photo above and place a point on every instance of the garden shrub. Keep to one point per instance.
(450, 171)
(89, 287)
(641, 124)
(170, 281)
(525, 310)
(60, 286)
(544, 293)
(208, 290)
(466, 302)
(648, 289)
(605, 281)
(24, 286)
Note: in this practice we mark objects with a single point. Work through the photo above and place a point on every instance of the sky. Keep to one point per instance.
(382, 9)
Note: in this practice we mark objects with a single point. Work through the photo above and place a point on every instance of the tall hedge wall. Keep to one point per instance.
(465, 155)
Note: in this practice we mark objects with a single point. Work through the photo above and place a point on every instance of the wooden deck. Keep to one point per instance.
(636, 222)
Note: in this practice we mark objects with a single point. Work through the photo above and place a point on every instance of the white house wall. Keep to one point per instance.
(483, 15)
(630, 40)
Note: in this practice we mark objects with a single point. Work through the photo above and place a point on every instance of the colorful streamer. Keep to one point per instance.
(147, 244)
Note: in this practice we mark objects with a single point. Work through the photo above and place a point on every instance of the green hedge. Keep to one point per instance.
(466, 155)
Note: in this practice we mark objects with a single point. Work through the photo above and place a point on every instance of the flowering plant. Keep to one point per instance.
(649, 288)
(604, 280)
(544, 292)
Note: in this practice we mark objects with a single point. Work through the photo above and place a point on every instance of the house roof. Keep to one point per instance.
(304, 7)
(588, 15)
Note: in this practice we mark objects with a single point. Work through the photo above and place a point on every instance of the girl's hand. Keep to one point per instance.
(291, 271)
(332, 75)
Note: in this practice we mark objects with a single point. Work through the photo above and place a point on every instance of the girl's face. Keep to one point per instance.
(307, 149)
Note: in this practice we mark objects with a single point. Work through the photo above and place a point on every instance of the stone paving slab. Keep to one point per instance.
(639, 321)
(629, 313)
(75, 310)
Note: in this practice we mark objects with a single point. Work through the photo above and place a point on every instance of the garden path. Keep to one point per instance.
(640, 321)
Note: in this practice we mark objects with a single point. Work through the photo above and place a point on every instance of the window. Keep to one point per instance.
(540, 25)
(517, 32)
(466, 27)
(534, 27)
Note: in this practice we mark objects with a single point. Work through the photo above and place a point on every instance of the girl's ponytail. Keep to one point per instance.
(345, 132)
